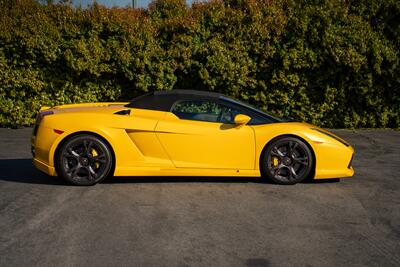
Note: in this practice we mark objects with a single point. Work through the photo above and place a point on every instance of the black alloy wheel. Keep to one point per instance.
(286, 160)
(84, 160)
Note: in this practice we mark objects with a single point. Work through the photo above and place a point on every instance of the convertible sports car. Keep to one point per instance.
(182, 133)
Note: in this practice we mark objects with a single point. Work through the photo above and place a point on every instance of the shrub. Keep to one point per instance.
(333, 63)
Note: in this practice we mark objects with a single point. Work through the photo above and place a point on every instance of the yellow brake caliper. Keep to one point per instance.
(94, 154)
(275, 162)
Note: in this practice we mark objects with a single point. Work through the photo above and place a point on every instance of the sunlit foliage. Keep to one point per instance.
(333, 63)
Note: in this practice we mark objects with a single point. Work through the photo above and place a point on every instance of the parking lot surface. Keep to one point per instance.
(189, 221)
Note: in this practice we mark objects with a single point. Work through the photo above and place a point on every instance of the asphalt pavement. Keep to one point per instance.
(193, 221)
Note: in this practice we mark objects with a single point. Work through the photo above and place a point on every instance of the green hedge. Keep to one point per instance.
(332, 63)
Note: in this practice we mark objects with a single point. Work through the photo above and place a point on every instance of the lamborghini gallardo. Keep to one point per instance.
(183, 133)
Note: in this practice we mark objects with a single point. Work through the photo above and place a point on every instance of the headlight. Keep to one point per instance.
(332, 136)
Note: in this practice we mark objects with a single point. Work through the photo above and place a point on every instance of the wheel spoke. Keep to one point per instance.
(74, 170)
(276, 169)
(276, 152)
(100, 159)
(302, 161)
(292, 172)
(294, 147)
(291, 148)
(91, 173)
(88, 146)
(71, 154)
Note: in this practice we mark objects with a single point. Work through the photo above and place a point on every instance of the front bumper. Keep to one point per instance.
(327, 174)
(334, 161)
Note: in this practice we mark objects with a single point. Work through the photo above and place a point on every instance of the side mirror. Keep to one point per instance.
(242, 119)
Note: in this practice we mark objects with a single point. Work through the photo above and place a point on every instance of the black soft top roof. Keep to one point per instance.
(163, 100)
(186, 92)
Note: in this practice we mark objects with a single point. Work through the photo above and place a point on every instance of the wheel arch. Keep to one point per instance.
(69, 136)
(312, 173)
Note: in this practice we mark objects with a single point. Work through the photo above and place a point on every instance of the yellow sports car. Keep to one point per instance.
(182, 133)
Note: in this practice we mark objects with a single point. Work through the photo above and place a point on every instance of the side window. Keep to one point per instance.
(198, 110)
(228, 115)
(210, 111)
(230, 111)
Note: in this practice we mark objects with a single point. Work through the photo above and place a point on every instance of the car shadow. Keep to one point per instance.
(181, 179)
(23, 171)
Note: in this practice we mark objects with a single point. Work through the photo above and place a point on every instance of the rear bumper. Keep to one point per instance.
(42, 142)
(49, 170)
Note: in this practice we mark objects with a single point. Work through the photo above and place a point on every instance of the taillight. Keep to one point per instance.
(45, 113)
(39, 118)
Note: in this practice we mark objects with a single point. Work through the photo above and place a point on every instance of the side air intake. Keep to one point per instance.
(123, 112)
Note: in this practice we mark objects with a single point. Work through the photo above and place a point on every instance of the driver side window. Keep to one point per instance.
(228, 115)
(198, 110)
(204, 110)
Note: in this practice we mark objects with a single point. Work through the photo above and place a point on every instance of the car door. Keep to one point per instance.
(202, 134)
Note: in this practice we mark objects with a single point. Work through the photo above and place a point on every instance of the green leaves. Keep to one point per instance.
(333, 63)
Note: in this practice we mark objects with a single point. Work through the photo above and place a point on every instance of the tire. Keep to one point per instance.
(286, 160)
(84, 160)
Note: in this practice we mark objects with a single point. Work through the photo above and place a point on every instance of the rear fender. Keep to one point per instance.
(64, 136)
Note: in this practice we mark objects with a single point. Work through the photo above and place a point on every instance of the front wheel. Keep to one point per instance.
(286, 160)
(84, 160)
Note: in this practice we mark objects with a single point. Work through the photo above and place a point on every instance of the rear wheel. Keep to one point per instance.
(286, 160)
(84, 160)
